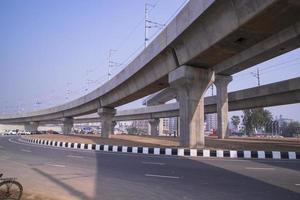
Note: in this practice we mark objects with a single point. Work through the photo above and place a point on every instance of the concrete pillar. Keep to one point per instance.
(67, 126)
(31, 126)
(221, 83)
(153, 126)
(178, 126)
(113, 124)
(106, 116)
(190, 84)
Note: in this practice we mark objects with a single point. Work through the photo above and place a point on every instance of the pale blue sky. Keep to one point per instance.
(53, 51)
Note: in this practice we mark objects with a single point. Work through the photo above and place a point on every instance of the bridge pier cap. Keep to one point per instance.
(221, 83)
(190, 84)
(106, 117)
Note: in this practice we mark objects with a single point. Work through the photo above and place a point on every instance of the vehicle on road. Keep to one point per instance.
(13, 132)
(10, 189)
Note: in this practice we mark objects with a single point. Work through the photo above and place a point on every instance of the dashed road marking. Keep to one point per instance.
(72, 156)
(55, 165)
(162, 176)
(297, 184)
(153, 163)
(260, 168)
(26, 150)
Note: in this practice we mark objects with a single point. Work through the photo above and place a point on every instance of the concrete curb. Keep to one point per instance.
(206, 153)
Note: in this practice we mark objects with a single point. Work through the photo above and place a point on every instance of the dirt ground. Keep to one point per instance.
(232, 143)
(27, 196)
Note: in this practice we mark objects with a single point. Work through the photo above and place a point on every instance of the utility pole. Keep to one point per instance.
(68, 91)
(111, 63)
(257, 75)
(150, 24)
(146, 25)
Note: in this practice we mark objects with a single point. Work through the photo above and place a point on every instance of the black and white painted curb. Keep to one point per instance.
(206, 153)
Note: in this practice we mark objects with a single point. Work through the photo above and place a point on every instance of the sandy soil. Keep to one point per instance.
(232, 143)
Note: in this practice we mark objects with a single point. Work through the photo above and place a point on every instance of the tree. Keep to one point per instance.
(235, 120)
(132, 131)
(290, 129)
(254, 119)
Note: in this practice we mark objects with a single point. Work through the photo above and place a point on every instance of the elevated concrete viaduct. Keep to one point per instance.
(279, 93)
(274, 94)
(206, 39)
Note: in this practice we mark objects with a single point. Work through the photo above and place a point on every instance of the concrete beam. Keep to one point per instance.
(274, 94)
(160, 97)
(279, 93)
(279, 43)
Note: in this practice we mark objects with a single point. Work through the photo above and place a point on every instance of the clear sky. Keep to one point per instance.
(53, 51)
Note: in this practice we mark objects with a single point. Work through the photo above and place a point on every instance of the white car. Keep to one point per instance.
(12, 132)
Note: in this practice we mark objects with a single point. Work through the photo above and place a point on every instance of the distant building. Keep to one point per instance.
(141, 125)
(122, 126)
(164, 126)
(173, 125)
(211, 121)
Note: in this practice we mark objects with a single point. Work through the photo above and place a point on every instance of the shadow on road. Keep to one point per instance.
(123, 176)
(68, 188)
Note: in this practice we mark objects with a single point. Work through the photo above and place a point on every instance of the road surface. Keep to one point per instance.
(54, 173)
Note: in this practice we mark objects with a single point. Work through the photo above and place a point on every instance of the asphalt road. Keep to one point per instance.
(76, 174)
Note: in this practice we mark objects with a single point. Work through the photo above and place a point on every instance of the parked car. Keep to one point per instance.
(13, 132)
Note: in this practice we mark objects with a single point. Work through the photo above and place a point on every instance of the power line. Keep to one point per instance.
(113, 66)
(266, 70)
(150, 38)
(271, 66)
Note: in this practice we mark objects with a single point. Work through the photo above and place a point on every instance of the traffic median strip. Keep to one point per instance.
(207, 153)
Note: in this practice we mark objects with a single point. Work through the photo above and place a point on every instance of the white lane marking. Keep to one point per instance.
(1, 147)
(55, 165)
(72, 156)
(161, 176)
(297, 184)
(153, 163)
(25, 150)
(260, 168)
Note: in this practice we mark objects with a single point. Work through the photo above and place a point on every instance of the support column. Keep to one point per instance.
(221, 84)
(106, 116)
(190, 84)
(31, 126)
(67, 126)
(153, 126)
(178, 126)
(113, 124)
